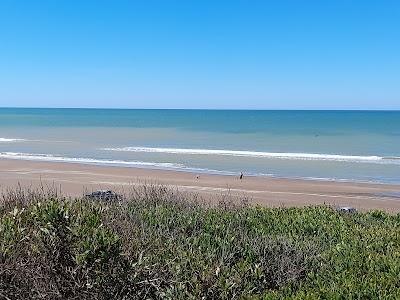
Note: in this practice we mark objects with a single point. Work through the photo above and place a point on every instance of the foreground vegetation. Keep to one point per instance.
(161, 244)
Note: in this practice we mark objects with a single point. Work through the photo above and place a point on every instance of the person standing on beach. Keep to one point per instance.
(241, 176)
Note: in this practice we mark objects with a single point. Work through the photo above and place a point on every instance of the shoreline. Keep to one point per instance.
(75, 179)
(203, 171)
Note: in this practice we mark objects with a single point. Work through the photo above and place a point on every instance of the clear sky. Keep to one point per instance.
(281, 54)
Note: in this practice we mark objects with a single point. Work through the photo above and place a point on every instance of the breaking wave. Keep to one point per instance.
(257, 154)
(7, 140)
(55, 158)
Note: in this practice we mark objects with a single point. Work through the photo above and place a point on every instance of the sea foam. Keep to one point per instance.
(7, 140)
(108, 162)
(55, 158)
(255, 154)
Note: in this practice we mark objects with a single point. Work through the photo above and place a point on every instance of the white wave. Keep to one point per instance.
(53, 158)
(256, 154)
(7, 140)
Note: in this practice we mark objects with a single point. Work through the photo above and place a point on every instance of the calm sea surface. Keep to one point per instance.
(326, 145)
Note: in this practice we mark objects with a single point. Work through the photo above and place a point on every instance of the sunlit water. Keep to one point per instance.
(325, 145)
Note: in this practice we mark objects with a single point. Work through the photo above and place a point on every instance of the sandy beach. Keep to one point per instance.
(75, 179)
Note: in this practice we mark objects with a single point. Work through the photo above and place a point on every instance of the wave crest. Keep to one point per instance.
(255, 154)
(6, 140)
(54, 158)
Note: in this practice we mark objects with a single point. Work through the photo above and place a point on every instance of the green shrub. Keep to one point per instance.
(161, 244)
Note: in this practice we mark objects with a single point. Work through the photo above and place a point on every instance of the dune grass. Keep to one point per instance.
(159, 243)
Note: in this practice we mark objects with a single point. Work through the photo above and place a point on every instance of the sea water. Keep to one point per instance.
(359, 146)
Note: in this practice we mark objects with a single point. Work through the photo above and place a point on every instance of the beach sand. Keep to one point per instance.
(74, 180)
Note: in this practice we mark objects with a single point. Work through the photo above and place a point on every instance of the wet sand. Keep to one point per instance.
(74, 180)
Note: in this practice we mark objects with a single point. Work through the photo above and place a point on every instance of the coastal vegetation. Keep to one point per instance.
(158, 243)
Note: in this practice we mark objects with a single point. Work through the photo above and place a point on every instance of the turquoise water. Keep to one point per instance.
(326, 145)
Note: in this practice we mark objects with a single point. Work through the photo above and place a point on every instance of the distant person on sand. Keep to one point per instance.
(241, 176)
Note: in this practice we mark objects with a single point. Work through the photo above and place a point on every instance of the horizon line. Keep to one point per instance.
(214, 109)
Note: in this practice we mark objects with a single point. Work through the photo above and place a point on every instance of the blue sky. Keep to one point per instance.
(200, 54)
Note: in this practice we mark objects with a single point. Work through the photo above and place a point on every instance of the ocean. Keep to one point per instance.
(357, 146)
